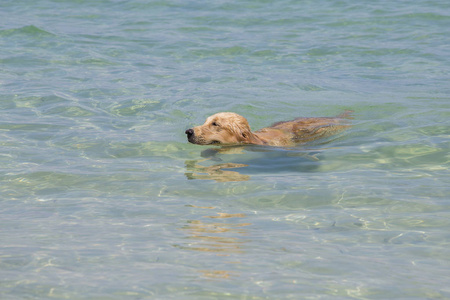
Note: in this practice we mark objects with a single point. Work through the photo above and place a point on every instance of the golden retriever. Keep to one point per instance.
(227, 128)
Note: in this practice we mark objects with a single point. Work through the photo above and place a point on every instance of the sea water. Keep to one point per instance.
(102, 197)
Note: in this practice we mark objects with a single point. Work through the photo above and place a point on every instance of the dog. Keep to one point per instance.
(227, 128)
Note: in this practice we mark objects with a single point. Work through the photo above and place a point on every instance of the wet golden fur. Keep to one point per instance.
(227, 128)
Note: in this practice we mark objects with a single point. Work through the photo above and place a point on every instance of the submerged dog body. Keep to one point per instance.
(227, 128)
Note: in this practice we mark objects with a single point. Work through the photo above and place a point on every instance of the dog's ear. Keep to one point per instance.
(246, 133)
(241, 130)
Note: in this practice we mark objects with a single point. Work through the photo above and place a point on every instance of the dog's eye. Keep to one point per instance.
(215, 124)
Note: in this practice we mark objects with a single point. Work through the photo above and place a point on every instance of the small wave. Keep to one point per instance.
(29, 30)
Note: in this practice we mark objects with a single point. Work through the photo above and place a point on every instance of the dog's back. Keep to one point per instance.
(308, 129)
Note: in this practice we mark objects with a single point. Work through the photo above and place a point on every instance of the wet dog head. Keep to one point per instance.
(221, 129)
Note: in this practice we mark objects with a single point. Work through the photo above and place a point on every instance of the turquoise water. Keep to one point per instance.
(102, 197)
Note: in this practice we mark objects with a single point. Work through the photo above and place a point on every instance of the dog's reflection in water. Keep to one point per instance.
(221, 171)
(221, 233)
(218, 172)
(215, 172)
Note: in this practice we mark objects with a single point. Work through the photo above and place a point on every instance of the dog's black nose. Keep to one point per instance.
(189, 132)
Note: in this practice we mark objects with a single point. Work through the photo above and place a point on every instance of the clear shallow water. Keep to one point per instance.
(103, 198)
